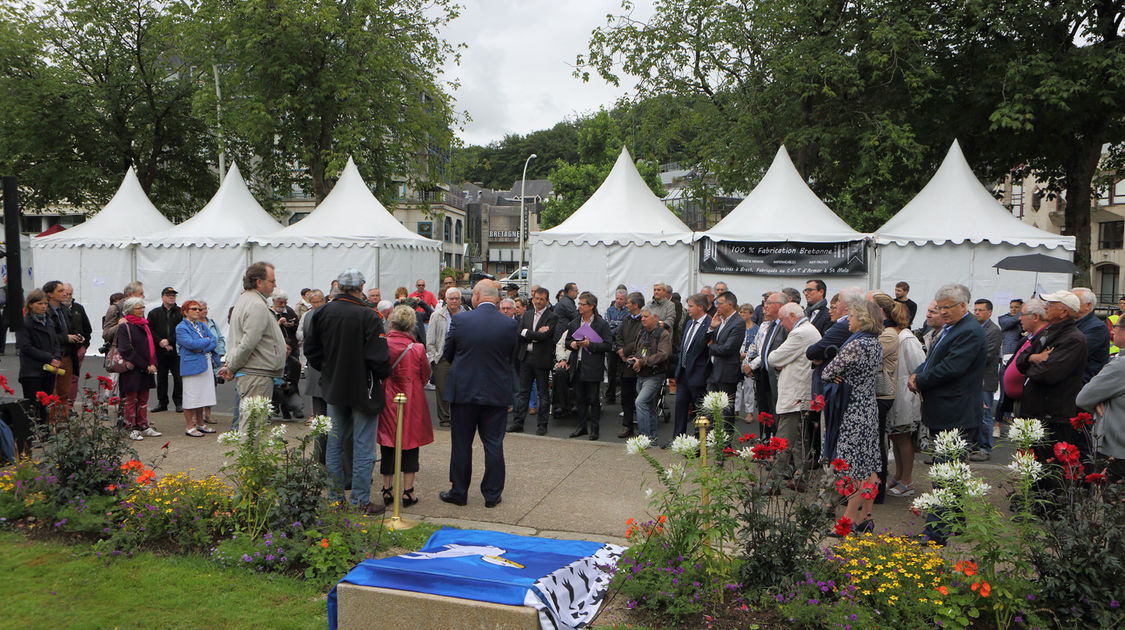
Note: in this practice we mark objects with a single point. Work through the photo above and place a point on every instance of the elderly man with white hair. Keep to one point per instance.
(435, 344)
(1097, 335)
(794, 382)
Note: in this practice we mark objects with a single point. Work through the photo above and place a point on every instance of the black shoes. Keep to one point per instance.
(159, 408)
(448, 497)
(580, 431)
(593, 435)
(541, 430)
(179, 409)
(515, 428)
(492, 504)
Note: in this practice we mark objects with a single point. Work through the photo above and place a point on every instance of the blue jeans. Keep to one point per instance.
(364, 429)
(984, 438)
(648, 387)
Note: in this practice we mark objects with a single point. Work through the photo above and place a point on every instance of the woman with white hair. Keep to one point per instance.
(135, 344)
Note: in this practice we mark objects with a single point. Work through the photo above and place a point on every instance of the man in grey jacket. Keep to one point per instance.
(1105, 393)
(255, 345)
(435, 344)
(982, 310)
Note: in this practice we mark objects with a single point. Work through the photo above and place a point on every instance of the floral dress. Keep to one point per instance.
(857, 364)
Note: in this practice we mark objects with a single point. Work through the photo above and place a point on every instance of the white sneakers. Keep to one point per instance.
(151, 432)
(140, 435)
(135, 435)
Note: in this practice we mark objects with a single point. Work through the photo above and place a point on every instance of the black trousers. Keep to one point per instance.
(165, 364)
(562, 393)
(687, 400)
(530, 374)
(612, 366)
(728, 412)
(589, 404)
(466, 421)
(628, 400)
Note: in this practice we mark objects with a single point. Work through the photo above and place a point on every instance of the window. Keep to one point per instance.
(426, 229)
(1107, 285)
(457, 232)
(447, 235)
(1111, 234)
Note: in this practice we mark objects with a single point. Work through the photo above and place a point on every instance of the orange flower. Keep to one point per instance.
(146, 477)
(663, 518)
(944, 591)
(629, 522)
(974, 587)
(985, 589)
(968, 568)
(324, 542)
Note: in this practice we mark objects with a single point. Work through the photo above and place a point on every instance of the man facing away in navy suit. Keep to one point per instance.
(481, 348)
(693, 365)
(726, 335)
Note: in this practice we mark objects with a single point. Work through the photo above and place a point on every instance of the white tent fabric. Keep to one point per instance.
(350, 228)
(622, 234)
(203, 257)
(96, 256)
(781, 208)
(954, 231)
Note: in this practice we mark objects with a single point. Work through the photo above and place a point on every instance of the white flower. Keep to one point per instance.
(686, 445)
(636, 444)
(1026, 431)
(955, 472)
(256, 406)
(674, 473)
(976, 487)
(938, 497)
(949, 444)
(711, 438)
(648, 493)
(320, 425)
(1026, 466)
(278, 433)
(230, 438)
(716, 402)
(746, 453)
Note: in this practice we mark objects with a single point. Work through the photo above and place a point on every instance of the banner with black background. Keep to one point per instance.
(789, 258)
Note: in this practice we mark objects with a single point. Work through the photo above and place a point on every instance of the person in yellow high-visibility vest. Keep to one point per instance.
(1111, 321)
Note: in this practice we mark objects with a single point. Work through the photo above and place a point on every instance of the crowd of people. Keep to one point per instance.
(843, 377)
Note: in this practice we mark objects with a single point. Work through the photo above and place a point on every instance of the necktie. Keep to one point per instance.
(766, 349)
(687, 342)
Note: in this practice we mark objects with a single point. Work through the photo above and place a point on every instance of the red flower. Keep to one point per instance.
(869, 490)
(760, 451)
(843, 526)
(744, 439)
(324, 542)
(778, 444)
(115, 400)
(1096, 479)
(966, 567)
(87, 375)
(132, 464)
(840, 465)
(4, 384)
(47, 400)
(107, 382)
(765, 419)
(1074, 472)
(1067, 454)
(730, 451)
(817, 403)
(146, 477)
(166, 444)
(1082, 421)
(845, 487)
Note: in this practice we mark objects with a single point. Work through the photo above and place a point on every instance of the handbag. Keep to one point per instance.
(116, 363)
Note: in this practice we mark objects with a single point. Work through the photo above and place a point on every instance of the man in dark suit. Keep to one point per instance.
(536, 354)
(982, 311)
(765, 375)
(694, 362)
(565, 312)
(725, 337)
(817, 309)
(480, 347)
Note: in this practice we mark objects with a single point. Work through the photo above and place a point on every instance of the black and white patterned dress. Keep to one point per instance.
(857, 364)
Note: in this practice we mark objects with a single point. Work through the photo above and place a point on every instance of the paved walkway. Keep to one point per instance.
(556, 487)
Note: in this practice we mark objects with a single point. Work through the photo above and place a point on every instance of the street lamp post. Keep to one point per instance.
(523, 189)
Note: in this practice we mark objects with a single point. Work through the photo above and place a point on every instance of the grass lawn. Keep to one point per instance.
(46, 585)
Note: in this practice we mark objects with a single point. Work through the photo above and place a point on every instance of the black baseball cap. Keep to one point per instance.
(168, 291)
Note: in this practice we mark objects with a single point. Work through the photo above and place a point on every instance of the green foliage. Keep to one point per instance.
(188, 513)
(270, 553)
(326, 556)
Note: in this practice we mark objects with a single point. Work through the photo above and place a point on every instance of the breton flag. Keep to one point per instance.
(565, 580)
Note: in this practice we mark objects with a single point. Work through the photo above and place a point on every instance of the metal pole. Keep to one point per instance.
(219, 125)
(523, 190)
(397, 522)
(702, 423)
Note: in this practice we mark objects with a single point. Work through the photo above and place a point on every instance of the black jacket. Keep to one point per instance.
(591, 367)
(348, 346)
(80, 323)
(1053, 384)
(626, 340)
(565, 312)
(37, 344)
(162, 323)
(542, 347)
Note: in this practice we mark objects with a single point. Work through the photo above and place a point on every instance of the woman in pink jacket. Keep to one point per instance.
(409, 375)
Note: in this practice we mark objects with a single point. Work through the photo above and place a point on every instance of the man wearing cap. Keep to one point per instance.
(162, 322)
(255, 345)
(348, 345)
(1054, 365)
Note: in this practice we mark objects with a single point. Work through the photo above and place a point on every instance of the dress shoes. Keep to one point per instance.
(159, 408)
(580, 431)
(541, 430)
(449, 497)
(593, 435)
(492, 504)
(626, 432)
(515, 428)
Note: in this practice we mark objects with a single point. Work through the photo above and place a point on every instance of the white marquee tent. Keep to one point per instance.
(622, 234)
(204, 257)
(954, 231)
(97, 256)
(781, 209)
(350, 228)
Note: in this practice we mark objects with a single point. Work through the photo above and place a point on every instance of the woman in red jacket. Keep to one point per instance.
(409, 375)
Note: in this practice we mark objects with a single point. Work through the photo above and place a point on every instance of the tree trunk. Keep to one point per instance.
(1080, 168)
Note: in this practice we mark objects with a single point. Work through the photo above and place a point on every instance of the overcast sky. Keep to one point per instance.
(516, 71)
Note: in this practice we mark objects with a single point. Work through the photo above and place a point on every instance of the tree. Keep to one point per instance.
(308, 83)
(91, 87)
(599, 144)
